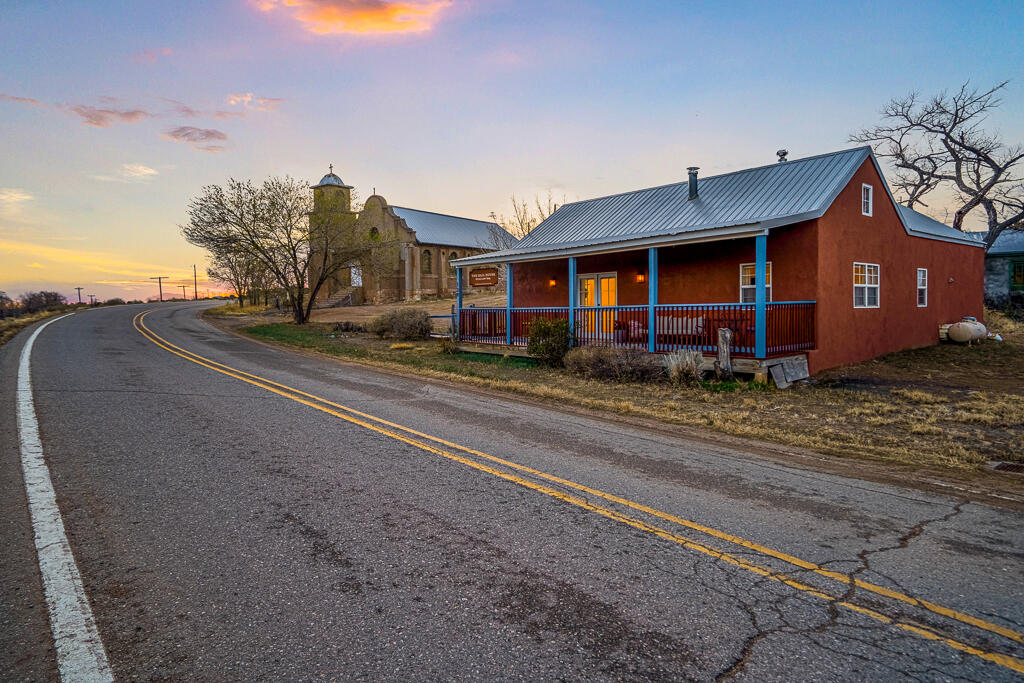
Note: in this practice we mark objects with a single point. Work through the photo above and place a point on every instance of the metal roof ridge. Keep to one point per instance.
(446, 215)
(720, 175)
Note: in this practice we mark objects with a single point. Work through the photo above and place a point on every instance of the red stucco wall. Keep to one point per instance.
(848, 335)
(691, 274)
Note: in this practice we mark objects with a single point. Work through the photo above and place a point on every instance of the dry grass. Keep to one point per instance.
(11, 326)
(872, 411)
(233, 310)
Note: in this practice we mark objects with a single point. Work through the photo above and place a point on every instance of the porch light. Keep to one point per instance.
(641, 278)
(552, 282)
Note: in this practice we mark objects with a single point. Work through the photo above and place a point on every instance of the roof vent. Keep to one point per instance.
(782, 153)
(693, 181)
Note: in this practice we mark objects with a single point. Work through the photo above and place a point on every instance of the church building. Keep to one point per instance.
(415, 262)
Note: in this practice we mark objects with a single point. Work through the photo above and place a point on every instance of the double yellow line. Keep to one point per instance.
(570, 491)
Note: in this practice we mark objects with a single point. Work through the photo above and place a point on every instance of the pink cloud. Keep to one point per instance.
(182, 109)
(103, 118)
(22, 100)
(150, 56)
(199, 138)
(359, 16)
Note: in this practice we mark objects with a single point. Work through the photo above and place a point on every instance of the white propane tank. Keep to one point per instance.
(967, 330)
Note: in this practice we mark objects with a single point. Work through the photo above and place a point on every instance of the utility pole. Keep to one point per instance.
(79, 290)
(92, 299)
(183, 295)
(160, 282)
(195, 284)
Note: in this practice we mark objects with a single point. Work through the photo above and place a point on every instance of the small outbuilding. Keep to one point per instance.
(1004, 270)
(809, 259)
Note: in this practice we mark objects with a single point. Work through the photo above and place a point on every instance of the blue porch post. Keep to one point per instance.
(508, 304)
(760, 296)
(457, 321)
(572, 297)
(652, 299)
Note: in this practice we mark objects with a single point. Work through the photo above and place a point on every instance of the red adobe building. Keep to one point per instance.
(810, 257)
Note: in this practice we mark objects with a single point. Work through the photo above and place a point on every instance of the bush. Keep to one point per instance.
(447, 346)
(683, 366)
(116, 301)
(348, 326)
(548, 341)
(402, 323)
(613, 364)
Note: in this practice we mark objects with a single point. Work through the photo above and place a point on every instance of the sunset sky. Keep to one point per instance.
(115, 113)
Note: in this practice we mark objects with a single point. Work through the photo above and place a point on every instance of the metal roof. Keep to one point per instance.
(921, 225)
(438, 228)
(755, 199)
(1008, 242)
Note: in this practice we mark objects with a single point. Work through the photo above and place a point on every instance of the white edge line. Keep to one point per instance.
(80, 653)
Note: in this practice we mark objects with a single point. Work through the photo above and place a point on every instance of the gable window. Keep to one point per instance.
(867, 200)
(748, 284)
(427, 263)
(374, 234)
(1017, 276)
(922, 287)
(865, 285)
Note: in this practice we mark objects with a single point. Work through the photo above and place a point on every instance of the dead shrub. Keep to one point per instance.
(548, 341)
(612, 364)
(683, 367)
(447, 346)
(402, 323)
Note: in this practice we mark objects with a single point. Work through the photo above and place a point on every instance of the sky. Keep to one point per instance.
(114, 114)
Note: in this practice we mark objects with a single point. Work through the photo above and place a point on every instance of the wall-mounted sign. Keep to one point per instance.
(483, 277)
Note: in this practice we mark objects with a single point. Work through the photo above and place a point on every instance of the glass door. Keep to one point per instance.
(597, 290)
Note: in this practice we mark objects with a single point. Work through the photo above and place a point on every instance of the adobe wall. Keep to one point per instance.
(849, 335)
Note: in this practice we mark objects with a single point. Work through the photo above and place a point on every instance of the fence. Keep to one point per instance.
(790, 326)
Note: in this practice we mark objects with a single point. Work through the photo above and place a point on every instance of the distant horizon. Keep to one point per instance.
(115, 117)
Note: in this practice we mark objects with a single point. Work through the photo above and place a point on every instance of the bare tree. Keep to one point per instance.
(941, 142)
(270, 223)
(235, 268)
(523, 220)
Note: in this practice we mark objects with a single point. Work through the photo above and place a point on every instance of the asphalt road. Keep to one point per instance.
(226, 531)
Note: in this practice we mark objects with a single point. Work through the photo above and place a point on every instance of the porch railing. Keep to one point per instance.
(790, 326)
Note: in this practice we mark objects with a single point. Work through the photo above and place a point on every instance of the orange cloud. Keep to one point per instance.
(250, 101)
(86, 261)
(359, 16)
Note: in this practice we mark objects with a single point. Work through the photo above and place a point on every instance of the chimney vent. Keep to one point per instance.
(782, 153)
(693, 181)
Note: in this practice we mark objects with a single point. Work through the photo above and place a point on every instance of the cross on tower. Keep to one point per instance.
(331, 166)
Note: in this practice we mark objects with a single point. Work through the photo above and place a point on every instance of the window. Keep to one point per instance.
(867, 204)
(427, 263)
(374, 234)
(922, 287)
(865, 285)
(748, 288)
(451, 257)
(1017, 276)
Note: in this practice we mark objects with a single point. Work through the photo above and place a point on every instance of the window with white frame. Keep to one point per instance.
(867, 200)
(865, 285)
(922, 287)
(748, 282)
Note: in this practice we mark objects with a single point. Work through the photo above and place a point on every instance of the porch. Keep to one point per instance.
(761, 328)
(789, 327)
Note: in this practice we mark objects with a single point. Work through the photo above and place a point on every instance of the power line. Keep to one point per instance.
(160, 282)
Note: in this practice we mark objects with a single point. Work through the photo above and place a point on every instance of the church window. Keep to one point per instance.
(426, 263)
